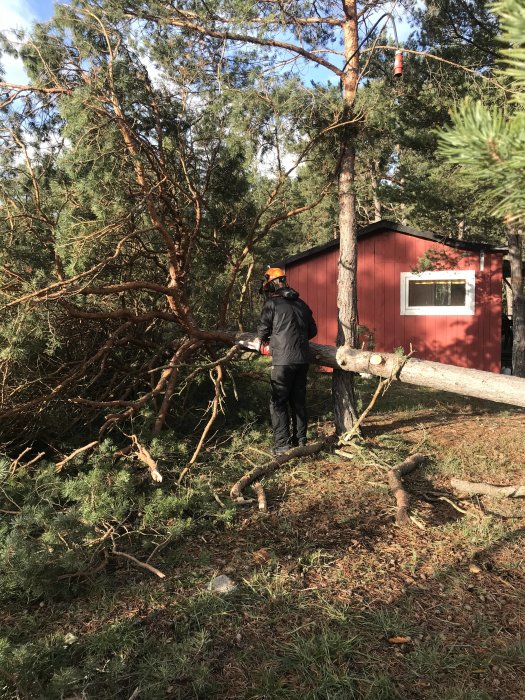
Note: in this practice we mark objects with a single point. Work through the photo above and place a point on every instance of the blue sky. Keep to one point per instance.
(42, 9)
(23, 13)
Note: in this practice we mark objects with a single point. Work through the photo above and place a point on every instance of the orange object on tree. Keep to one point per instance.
(398, 63)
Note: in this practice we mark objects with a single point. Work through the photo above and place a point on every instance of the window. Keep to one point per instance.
(438, 293)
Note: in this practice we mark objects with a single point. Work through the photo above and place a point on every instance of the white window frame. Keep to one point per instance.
(468, 309)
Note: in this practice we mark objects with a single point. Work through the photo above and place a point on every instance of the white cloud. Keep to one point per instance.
(15, 14)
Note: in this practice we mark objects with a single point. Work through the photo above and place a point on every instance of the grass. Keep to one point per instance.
(324, 580)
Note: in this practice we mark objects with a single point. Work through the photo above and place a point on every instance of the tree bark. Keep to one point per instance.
(479, 488)
(501, 388)
(236, 491)
(395, 481)
(345, 413)
(378, 215)
(515, 244)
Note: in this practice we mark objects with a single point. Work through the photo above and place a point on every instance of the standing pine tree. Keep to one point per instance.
(489, 145)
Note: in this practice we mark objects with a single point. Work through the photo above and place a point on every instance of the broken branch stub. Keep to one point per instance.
(396, 485)
(473, 488)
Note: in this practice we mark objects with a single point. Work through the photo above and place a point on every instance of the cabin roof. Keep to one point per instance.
(385, 225)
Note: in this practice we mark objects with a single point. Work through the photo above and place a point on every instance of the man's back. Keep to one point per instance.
(287, 321)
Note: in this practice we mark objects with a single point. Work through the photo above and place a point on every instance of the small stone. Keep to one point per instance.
(221, 584)
(474, 569)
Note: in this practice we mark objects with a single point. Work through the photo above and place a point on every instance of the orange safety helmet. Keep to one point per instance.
(272, 274)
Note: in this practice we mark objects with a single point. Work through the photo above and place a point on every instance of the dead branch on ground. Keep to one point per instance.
(26, 464)
(482, 489)
(15, 462)
(396, 484)
(135, 561)
(236, 492)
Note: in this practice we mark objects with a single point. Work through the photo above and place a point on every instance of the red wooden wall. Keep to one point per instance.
(465, 341)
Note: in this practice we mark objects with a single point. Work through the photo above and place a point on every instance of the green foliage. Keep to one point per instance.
(65, 526)
(512, 16)
(488, 142)
(489, 145)
(435, 259)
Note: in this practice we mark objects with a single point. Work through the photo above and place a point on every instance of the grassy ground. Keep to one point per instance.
(327, 586)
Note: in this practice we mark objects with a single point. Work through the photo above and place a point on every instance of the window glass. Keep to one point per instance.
(437, 292)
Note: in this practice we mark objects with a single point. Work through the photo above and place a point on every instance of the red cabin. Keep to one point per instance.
(442, 296)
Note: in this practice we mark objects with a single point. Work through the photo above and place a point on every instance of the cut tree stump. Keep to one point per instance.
(435, 375)
(395, 482)
(473, 488)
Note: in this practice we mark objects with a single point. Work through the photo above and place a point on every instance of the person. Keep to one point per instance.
(287, 323)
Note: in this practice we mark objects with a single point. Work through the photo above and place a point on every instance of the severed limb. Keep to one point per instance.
(135, 561)
(236, 491)
(482, 489)
(15, 462)
(261, 497)
(215, 407)
(396, 484)
(145, 457)
(59, 465)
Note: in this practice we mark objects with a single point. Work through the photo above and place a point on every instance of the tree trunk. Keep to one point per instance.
(490, 386)
(375, 187)
(345, 413)
(435, 375)
(515, 244)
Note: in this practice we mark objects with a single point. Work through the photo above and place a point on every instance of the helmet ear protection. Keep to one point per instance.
(271, 277)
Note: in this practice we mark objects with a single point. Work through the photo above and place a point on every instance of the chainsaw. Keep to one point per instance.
(255, 346)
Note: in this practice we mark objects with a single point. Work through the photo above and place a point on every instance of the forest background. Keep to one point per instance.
(150, 168)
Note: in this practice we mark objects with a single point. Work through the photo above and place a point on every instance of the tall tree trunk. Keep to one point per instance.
(375, 185)
(342, 383)
(515, 244)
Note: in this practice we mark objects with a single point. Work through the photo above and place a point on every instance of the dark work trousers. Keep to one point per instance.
(288, 403)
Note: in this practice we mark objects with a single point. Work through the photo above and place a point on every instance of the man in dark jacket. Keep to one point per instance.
(288, 323)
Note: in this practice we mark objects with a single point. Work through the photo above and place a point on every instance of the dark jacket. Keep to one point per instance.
(288, 323)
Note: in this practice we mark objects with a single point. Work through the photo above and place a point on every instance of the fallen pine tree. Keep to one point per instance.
(434, 375)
